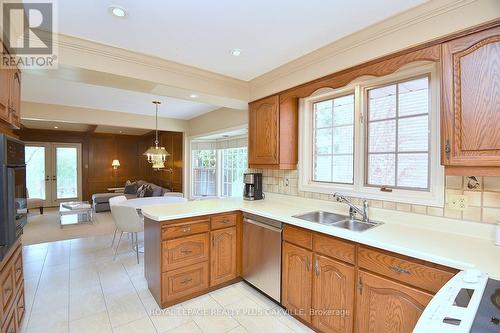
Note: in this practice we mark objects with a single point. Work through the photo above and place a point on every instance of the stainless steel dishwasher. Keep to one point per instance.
(262, 254)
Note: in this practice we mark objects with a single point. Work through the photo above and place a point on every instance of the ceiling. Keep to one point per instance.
(42, 89)
(202, 33)
(223, 135)
(76, 127)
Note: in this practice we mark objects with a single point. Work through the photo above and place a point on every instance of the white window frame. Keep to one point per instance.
(433, 197)
(217, 172)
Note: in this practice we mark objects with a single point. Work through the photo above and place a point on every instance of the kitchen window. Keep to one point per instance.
(377, 138)
(217, 167)
(234, 163)
(204, 172)
(398, 135)
(333, 132)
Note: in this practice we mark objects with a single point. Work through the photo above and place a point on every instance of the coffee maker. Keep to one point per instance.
(253, 186)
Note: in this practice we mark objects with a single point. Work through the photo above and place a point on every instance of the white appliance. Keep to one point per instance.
(469, 302)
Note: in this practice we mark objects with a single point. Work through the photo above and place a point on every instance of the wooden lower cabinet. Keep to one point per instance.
(12, 290)
(188, 257)
(297, 281)
(223, 258)
(332, 295)
(387, 306)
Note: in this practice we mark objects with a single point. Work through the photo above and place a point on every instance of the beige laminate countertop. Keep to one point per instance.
(444, 241)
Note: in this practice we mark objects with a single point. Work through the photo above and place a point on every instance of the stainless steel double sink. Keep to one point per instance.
(337, 220)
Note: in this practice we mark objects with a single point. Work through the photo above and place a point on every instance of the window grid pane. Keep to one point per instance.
(333, 140)
(234, 166)
(204, 173)
(398, 135)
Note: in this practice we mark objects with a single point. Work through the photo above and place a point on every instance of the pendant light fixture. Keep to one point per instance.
(156, 155)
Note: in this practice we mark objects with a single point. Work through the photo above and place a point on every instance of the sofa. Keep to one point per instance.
(100, 201)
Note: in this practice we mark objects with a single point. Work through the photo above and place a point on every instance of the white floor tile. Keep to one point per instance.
(96, 323)
(170, 318)
(124, 308)
(85, 302)
(189, 327)
(143, 325)
(209, 315)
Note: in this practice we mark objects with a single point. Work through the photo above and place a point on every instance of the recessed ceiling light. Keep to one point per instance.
(235, 52)
(56, 127)
(193, 96)
(118, 11)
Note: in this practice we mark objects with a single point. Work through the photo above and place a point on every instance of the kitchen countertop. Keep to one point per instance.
(449, 242)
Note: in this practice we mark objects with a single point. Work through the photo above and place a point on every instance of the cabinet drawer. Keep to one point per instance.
(410, 271)
(223, 221)
(184, 251)
(298, 236)
(184, 229)
(7, 286)
(184, 281)
(334, 248)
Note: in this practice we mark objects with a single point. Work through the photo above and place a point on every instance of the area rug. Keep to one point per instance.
(45, 228)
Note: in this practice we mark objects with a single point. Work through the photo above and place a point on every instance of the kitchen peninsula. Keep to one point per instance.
(194, 247)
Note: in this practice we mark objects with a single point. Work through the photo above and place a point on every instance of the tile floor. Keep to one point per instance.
(75, 286)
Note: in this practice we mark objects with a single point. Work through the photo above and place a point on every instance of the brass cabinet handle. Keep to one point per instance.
(399, 270)
(316, 267)
(185, 251)
(308, 264)
(186, 230)
(224, 221)
(186, 281)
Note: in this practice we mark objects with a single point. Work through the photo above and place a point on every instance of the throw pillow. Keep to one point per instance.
(148, 191)
(140, 191)
(130, 188)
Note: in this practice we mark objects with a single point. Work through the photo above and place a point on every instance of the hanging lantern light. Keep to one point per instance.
(156, 155)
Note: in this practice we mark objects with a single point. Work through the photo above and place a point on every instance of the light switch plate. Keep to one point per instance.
(458, 202)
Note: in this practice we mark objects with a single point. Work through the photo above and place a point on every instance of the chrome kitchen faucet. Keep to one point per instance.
(352, 208)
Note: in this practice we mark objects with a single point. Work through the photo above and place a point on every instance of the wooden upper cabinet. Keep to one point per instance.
(387, 306)
(223, 266)
(273, 133)
(15, 99)
(296, 282)
(333, 289)
(471, 104)
(4, 94)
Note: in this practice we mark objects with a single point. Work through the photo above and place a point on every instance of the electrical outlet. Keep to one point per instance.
(459, 202)
(287, 182)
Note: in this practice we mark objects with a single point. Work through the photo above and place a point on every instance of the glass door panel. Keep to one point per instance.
(66, 160)
(37, 176)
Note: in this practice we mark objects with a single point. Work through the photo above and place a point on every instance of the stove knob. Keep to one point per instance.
(472, 275)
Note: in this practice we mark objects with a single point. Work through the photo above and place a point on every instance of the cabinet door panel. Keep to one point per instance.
(223, 256)
(297, 280)
(387, 306)
(263, 131)
(15, 99)
(471, 100)
(333, 295)
(4, 94)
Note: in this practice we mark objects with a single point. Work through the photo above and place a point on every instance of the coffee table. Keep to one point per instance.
(80, 213)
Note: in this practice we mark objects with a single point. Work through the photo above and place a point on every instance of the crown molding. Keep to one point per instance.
(411, 18)
(116, 53)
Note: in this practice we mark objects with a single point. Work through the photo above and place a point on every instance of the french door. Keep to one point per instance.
(53, 172)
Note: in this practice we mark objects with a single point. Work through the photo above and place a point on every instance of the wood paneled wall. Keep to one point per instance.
(98, 151)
